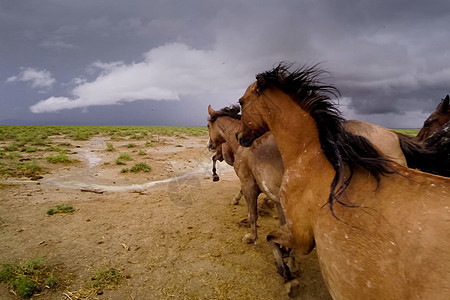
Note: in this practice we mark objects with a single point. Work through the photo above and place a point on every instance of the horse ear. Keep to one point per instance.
(444, 105)
(210, 110)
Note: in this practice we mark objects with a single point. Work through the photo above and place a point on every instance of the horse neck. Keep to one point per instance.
(229, 128)
(294, 130)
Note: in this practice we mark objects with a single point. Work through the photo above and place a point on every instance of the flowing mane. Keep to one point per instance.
(339, 145)
(231, 111)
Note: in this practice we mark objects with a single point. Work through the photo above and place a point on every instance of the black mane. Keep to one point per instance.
(339, 145)
(231, 111)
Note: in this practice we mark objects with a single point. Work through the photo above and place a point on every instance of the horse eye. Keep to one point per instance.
(426, 124)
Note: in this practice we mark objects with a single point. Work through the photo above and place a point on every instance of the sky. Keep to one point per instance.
(162, 62)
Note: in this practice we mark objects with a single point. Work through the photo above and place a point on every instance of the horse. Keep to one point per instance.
(381, 230)
(223, 152)
(259, 167)
(436, 120)
(428, 155)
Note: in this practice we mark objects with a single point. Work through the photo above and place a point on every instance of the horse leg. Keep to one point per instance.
(251, 192)
(280, 243)
(280, 212)
(215, 176)
(237, 198)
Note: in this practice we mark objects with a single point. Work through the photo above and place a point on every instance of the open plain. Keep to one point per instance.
(168, 233)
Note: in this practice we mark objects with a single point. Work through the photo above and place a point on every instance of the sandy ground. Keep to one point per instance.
(172, 232)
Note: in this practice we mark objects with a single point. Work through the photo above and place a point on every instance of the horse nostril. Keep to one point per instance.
(237, 137)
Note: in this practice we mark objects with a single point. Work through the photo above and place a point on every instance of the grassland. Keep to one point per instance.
(25, 150)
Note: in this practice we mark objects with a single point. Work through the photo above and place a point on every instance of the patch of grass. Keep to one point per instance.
(61, 209)
(124, 170)
(28, 277)
(29, 167)
(124, 156)
(131, 145)
(110, 147)
(55, 149)
(60, 158)
(411, 132)
(141, 152)
(140, 167)
(13, 147)
(105, 277)
(13, 155)
(148, 144)
(29, 149)
(120, 163)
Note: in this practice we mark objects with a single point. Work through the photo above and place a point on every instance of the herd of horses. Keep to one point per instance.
(374, 203)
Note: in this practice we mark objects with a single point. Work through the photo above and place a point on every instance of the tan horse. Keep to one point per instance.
(260, 167)
(223, 152)
(436, 120)
(382, 231)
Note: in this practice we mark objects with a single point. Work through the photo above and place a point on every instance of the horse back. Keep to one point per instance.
(394, 241)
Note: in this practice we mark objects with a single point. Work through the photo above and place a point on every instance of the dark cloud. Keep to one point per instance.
(390, 59)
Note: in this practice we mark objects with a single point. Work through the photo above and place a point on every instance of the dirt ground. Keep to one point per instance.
(172, 232)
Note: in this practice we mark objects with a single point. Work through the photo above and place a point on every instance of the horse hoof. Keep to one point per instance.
(293, 288)
(216, 178)
(248, 239)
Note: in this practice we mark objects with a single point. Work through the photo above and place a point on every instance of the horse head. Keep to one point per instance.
(253, 123)
(436, 120)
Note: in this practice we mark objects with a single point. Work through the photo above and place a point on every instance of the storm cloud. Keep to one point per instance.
(73, 61)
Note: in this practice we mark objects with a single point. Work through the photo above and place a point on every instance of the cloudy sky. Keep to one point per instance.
(161, 62)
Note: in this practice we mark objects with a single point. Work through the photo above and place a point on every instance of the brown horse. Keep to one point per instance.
(223, 152)
(382, 231)
(425, 151)
(436, 120)
(260, 168)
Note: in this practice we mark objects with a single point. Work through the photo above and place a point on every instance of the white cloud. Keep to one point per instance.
(166, 73)
(37, 78)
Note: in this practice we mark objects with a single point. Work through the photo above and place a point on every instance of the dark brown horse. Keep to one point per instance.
(436, 120)
(431, 155)
(425, 151)
(381, 230)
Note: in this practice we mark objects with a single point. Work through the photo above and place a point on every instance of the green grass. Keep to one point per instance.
(41, 135)
(60, 158)
(411, 132)
(27, 278)
(29, 167)
(105, 277)
(140, 167)
(60, 209)
(110, 147)
(124, 156)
